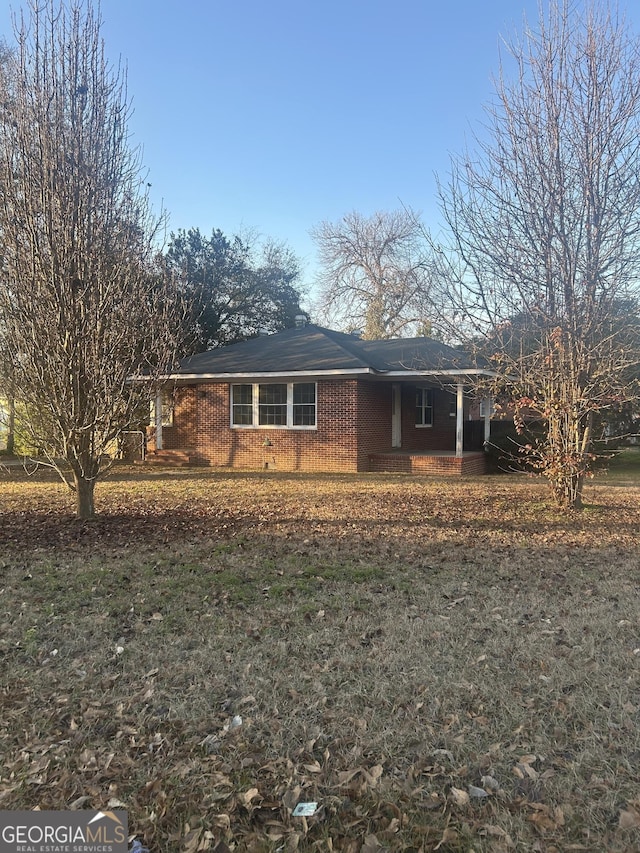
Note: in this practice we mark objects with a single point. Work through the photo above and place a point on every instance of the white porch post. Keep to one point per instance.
(396, 415)
(159, 421)
(488, 406)
(459, 419)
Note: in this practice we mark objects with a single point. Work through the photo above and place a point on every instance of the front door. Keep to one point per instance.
(396, 415)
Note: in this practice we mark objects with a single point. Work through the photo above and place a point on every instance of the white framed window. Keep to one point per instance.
(242, 405)
(272, 405)
(486, 407)
(284, 405)
(167, 409)
(424, 407)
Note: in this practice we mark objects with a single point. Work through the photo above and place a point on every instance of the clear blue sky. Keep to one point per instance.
(276, 115)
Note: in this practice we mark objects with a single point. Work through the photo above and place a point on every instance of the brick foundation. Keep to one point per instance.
(446, 465)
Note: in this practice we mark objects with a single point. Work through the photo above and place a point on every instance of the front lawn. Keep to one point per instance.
(442, 665)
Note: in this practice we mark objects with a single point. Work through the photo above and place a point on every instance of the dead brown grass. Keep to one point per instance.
(440, 665)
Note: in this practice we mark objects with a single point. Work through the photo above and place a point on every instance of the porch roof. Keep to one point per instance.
(314, 351)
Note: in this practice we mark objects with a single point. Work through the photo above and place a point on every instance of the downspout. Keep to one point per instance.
(459, 420)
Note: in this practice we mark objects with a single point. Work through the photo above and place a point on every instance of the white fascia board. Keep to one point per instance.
(312, 374)
(417, 374)
(294, 374)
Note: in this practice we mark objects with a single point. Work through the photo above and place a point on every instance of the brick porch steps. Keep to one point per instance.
(173, 458)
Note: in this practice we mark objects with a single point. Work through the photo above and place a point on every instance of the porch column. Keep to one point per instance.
(488, 406)
(459, 419)
(396, 415)
(159, 421)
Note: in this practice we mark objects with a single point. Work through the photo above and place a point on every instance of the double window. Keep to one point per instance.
(424, 407)
(290, 405)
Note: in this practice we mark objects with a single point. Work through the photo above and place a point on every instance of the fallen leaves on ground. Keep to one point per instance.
(440, 665)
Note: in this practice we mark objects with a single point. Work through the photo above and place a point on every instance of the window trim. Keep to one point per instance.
(255, 404)
(423, 390)
(481, 407)
(167, 409)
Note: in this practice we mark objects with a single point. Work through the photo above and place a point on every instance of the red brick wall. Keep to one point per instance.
(353, 421)
(180, 436)
(202, 426)
(373, 420)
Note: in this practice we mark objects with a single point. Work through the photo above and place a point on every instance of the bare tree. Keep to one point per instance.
(373, 272)
(81, 308)
(542, 270)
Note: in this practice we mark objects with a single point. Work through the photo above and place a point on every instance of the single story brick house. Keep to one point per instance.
(312, 399)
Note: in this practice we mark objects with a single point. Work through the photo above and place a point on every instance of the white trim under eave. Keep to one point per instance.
(280, 374)
(294, 374)
(413, 374)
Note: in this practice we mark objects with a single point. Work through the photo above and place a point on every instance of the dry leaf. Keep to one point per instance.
(371, 844)
(449, 836)
(496, 831)
(345, 776)
(191, 840)
(629, 819)
(290, 798)
(459, 797)
(249, 795)
(500, 840)
(373, 774)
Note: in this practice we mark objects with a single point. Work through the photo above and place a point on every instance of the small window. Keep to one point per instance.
(167, 409)
(424, 407)
(486, 407)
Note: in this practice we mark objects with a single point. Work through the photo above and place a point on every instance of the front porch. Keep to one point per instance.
(445, 463)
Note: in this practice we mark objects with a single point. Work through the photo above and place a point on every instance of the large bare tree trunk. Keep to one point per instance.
(84, 490)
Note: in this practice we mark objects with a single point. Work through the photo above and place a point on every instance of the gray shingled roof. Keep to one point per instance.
(312, 349)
